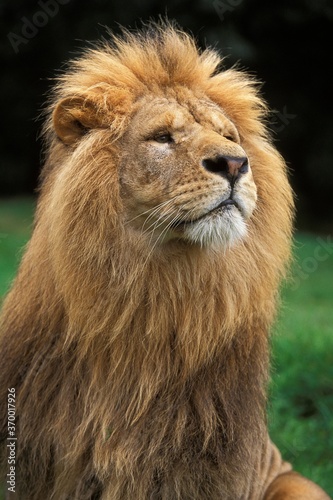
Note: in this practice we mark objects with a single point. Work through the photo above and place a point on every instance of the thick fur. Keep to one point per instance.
(140, 362)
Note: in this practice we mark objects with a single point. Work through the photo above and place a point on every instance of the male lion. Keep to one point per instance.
(135, 335)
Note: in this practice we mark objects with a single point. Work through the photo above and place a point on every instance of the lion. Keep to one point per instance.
(135, 336)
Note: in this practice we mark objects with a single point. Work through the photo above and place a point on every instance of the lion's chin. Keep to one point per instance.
(219, 230)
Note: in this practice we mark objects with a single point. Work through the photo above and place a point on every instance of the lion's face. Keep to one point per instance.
(184, 174)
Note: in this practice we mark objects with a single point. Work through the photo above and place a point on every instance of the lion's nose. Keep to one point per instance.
(231, 167)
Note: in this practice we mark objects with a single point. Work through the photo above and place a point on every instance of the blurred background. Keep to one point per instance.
(287, 46)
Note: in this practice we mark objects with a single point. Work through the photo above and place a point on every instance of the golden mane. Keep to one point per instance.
(141, 374)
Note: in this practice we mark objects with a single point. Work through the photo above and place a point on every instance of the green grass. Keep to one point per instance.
(15, 228)
(301, 392)
(301, 416)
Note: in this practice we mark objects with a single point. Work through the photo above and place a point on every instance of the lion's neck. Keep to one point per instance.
(177, 327)
(189, 371)
(188, 304)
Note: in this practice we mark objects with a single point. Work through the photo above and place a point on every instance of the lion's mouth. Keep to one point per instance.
(223, 206)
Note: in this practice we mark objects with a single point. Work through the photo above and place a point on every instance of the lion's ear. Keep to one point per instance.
(73, 117)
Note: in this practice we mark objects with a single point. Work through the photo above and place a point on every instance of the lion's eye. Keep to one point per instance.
(163, 138)
(230, 138)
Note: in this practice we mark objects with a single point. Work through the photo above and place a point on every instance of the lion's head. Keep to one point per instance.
(191, 152)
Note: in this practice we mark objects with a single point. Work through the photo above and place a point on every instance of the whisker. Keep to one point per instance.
(160, 220)
(152, 210)
(160, 236)
(166, 228)
(165, 213)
